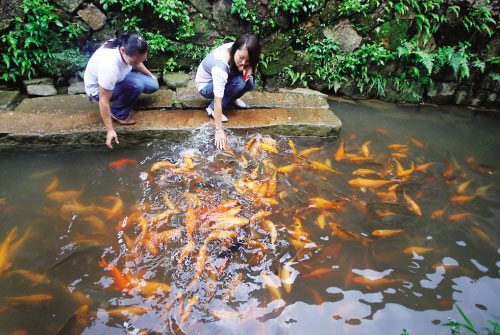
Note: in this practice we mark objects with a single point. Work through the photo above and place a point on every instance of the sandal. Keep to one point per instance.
(127, 122)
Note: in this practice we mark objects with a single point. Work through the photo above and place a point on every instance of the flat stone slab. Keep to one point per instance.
(86, 127)
(80, 102)
(190, 98)
(8, 99)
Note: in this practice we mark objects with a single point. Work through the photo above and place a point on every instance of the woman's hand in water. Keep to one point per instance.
(220, 139)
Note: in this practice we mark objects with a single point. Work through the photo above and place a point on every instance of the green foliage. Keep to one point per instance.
(405, 332)
(362, 66)
(65, 63)
(478, 19)
(31, 41)
(352, 7)
(172, 11)
(456, 327)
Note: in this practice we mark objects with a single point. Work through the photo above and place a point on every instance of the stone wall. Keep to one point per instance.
(213, 19)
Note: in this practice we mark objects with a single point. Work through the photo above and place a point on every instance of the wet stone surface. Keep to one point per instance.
(73, 119)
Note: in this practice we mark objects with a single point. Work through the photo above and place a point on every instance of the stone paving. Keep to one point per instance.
(166, 114)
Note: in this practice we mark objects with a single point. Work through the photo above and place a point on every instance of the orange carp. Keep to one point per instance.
(459, 216)
(374, 283)
(317, 273)
(438, 213)
(386, 232)
(309, 151)
(340, 154)
(31, 299)
(369, 183)
(412, 205)
(122, 162)
(122, 281)
(417, 250)
(463, 198)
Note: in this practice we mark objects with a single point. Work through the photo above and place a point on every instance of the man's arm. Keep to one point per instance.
(104, 109)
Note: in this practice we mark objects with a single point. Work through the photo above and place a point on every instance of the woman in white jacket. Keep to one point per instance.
(225, 75)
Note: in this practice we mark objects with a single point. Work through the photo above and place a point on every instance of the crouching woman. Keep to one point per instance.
(225, 75)
(108, 77)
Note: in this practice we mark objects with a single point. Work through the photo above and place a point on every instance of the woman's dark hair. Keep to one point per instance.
(251, 42)
(134, 44)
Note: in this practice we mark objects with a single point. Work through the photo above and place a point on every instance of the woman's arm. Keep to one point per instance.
(220, 137)
(143, 69)
(104, 109)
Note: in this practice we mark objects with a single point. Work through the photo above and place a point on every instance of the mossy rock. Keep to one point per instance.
(66, 63)
(281, 51)
(392, 33)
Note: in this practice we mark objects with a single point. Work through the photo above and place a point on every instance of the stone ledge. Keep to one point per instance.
(86, 127)
(190, 98)
(81, 102)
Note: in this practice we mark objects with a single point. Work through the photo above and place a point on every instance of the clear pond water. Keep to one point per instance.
(115, 242)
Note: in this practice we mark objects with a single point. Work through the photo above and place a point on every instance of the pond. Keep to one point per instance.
(381, 229)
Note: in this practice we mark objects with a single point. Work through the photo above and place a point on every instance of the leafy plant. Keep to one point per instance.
(31, 41)
(456, 326)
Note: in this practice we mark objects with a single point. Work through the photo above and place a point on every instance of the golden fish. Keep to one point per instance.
(365, 150)
(52, 186)
(485, 237)
(459, 216)
(192, 198)
(399, 155)
(268, 147)
(186, 312)
(322, 167)
(482, 189)
(397, 146)
(149, 288)
(417, 250)
(115, 211)
(285, 277)
(64, 196)
(271, 229)
(325, 204)
(347, 235)
(374, 283)
(424, 167)
(369, 183)
(438, 213)
(340, 154)
(388, 196)
(292, 146)
(461, 188)
(288, 168)
(32, 276)
(417, 142)
(463, 198)
(386, 232)
(364, 172)
(4, 250)
(188, 162)
(259, 216)
(169, 203)
(126, 311)
(31, 299)
(317, 273)
(412, 205)
(228, 223)
(76, 208)
(273, 286)
(309, 151)
(320, 221)
(357, 159)
(162, 165)
(406, 173)
(165, 236)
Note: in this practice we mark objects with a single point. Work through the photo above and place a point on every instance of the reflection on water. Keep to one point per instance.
(381, 229)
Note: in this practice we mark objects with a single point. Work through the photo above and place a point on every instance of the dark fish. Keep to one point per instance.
(76, 323)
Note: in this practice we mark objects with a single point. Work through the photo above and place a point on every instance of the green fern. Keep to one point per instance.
(426, 59)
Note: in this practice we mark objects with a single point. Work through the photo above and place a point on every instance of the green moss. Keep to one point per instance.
(393, 32)
(278, 52)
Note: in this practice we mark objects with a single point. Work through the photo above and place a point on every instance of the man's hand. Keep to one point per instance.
(109, 137)
(220, 139)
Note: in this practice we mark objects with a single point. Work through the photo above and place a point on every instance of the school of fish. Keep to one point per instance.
(269, 213)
